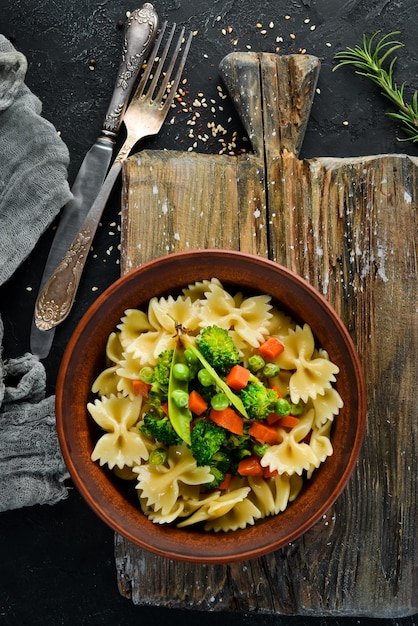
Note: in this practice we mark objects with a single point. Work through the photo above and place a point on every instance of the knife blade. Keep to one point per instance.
(140, 31)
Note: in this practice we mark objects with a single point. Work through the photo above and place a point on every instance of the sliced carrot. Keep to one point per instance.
(197, 404)
(250, 466)
(228, 419)
(164, 407)
(268, 473)
(139, 388)
(277, 390)
(238, 377)
(264, 433)
(226, 482)
(273, 418)
(289, 421)
(271, 348)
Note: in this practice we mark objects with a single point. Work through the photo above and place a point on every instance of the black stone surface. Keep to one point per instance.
(56, 563)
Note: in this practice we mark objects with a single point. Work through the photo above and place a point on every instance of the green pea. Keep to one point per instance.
(145, 374)
(282, 407)
(180, 398)
(296, 409)
(158, 456)
(219, 401)
(205, 378)
(270, 370)
(256, 363)
(191, 358)
(181, 371)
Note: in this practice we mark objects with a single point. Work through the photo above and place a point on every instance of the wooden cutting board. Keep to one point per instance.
(349, 227)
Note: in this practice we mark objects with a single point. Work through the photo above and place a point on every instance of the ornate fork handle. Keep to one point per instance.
(132, 57)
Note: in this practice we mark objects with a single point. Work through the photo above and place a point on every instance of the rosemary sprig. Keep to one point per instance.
(369, 59)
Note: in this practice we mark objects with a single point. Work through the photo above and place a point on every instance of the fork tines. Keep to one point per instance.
(156, 75)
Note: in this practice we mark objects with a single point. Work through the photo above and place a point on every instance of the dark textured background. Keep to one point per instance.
(56, 563)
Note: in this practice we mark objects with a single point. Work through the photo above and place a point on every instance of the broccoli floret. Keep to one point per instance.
(259, 401)
(206, 439)
(219, 466)
(218, 348)
(161, 375)
(239, 446)
(159, 428)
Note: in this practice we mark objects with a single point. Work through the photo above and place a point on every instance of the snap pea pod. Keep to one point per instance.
(232, 397)
(179, 416)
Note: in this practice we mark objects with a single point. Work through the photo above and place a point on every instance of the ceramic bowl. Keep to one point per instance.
(114, 500)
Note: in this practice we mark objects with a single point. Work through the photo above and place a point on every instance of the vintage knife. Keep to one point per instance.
(140, 32)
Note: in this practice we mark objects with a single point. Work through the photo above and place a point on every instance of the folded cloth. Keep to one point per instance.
(33, 165)
(33, 189)
(32, 470)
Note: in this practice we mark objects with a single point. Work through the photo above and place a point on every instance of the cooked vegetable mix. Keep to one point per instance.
(221, 425)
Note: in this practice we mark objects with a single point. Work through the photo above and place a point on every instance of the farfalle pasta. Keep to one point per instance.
(157, 411)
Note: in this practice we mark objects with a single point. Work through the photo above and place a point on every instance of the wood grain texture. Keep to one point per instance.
(349, 227)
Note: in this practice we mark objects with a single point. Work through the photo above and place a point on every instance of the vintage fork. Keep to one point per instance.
(143, 118)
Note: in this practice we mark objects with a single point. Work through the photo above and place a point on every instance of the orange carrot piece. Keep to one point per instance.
(164, 407)
(197, 404)
(237, 377)
(228, 419)
(289, 421)
(271, 348)
(250, 466)
(139, 388)
(226, 482)
(268, 473)
(264, 433)
(277, 390)
(273, 418)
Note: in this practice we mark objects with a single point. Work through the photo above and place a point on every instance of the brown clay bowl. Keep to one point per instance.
(115, 501)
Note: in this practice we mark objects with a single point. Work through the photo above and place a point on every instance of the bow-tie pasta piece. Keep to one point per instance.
(292, 455)
(224, 512)
(248, 317)
(312, 376)
(148, 346)
(321, 445)
(186, 504)
(106, 382)
(132, 325)
(197, 290)
(159, 485)
(166, 313)
(327, 406)
(272, 495)
(280, 323)
(122, 445)
(127, 371)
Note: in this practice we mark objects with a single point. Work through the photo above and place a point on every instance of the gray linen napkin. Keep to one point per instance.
(32, 470)
(33, 165)
(33, 189)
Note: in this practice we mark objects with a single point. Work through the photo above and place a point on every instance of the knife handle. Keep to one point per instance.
(140, 31)
(57, 296)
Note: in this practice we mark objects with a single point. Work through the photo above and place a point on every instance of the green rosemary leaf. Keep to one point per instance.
(368, 60)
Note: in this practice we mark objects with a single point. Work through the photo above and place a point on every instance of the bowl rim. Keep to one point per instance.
(234, 550)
